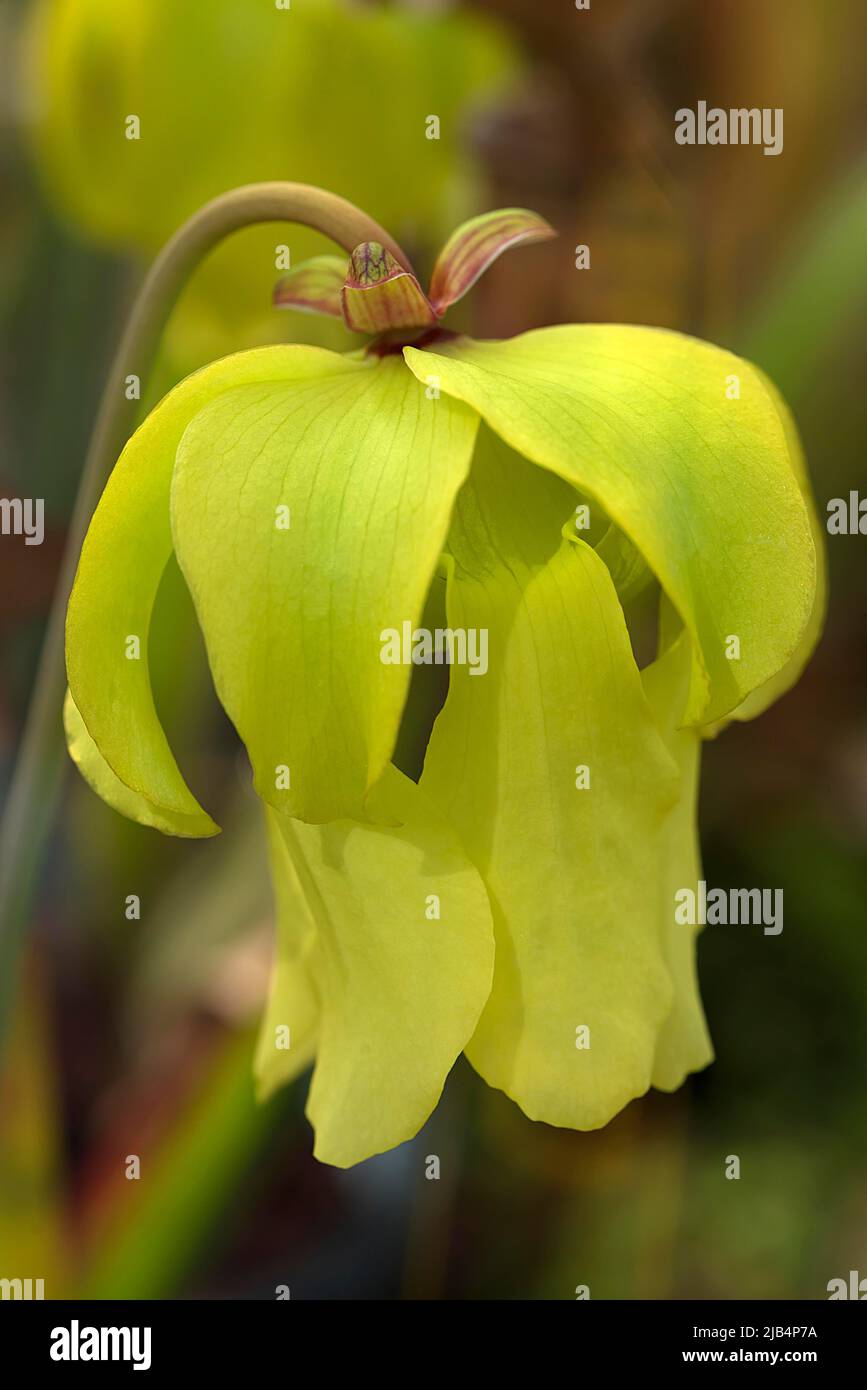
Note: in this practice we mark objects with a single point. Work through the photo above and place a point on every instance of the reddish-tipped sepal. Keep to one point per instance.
(314, 286)
(475, 245)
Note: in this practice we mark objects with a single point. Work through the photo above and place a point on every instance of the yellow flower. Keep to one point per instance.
(515, 900)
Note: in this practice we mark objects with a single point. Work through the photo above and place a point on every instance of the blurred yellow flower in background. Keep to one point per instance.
(226, 94)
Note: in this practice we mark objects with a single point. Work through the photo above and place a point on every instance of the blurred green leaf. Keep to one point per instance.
(819, 297)
(159, 1223)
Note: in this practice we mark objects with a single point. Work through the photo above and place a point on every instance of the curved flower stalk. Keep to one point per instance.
(516, 899)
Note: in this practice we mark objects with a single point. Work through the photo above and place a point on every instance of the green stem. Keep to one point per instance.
(33, 793)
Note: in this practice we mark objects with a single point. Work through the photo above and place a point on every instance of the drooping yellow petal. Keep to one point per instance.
(684, 447)
(403, 967)
(125, 552)
(99, 776)
(287, 1036)
(552, 771)
(761, 699)
(308, 522)
(684, 1044)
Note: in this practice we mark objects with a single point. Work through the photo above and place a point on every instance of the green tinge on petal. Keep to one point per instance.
(625, 563)
(287, 1036)
(683, 445)
(308, 521)
(403, 967)
(379, 294)
(552, 771)
(475, 245)
(126, 549)
(684, 1043)
(99, 776)
(313, 287)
